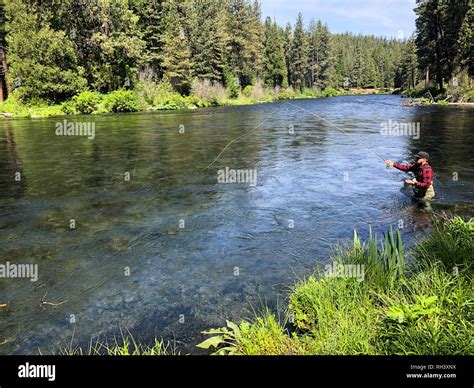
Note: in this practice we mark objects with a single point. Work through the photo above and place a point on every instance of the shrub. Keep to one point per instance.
(14, 106)
(258, 92)
(147, 91)
(232, 84)
(121, 101)
(338, 314)
(469, 96)
(330, 92)
(68, 107)
(205, 89)
(87, 102)
(286, 94)
(247, 90)
(263, 336)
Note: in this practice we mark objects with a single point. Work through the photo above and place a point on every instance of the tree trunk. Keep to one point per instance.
(427, 77)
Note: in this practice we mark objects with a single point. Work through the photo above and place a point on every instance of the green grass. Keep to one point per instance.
(451, 244)
(424, 308)
(126, 345)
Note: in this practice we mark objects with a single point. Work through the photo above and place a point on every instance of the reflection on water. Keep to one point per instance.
(198, 252)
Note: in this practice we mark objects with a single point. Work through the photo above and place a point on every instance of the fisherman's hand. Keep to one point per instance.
(409, 182)
(389, 163)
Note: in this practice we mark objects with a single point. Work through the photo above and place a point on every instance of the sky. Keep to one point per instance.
(390, 18)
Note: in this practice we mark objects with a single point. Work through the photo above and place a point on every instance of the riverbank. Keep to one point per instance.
(420, 303)
(459, 96)
(374, 299)
(146, 98)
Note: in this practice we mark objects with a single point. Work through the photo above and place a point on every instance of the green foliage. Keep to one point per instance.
(433, 315)
(68, 108)
(320, 55)
(176, 55)
(384, 260)
(87, 102)
(275, 72)
(451, 244)
(330, 92)
(232, 84)
(439, 26)
(245, 41)
(425, 311)
(338, 314)
(42, 62)
(298, 66)
(263, 336)
(121, 101)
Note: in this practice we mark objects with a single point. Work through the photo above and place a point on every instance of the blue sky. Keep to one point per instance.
(391, 18)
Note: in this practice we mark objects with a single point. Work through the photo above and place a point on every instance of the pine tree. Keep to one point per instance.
(319, 54)
(274, 65)
(407, 68)
(287, 36)
(176, 54)
(245, 40)
(357, 71)
(439, 25)
(299, 56)
(208, 38)
(466, 41)
(149, 12)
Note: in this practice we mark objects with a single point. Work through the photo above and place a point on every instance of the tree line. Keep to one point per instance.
(442, 46)
(58, 48)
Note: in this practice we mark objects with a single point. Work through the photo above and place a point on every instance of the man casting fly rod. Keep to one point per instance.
(423, 182)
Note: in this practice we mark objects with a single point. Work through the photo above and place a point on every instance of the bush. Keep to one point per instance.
(330, 92)
(232, 84)
(286, 94)
(122, 101)
(68, 107)
(207, 90)
(263, 336)
(147, 92)
(247, 90)
(87, 102)
(469, 96)
(14, 106)
(258, 92)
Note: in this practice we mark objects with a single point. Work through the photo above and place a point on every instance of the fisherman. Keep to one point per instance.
(423, 183)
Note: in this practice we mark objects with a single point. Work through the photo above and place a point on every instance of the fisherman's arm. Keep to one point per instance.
(399, 166)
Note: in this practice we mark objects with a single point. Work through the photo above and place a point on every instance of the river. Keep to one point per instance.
(132, 229)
